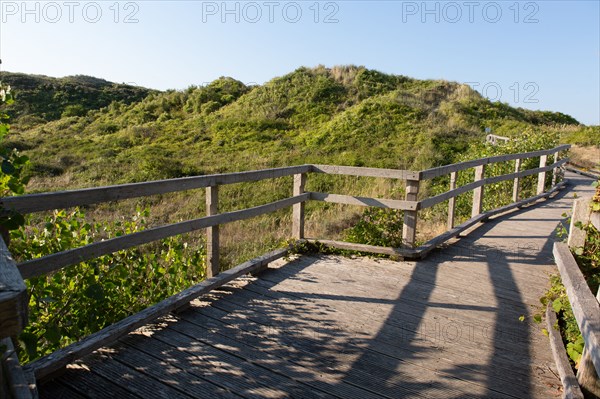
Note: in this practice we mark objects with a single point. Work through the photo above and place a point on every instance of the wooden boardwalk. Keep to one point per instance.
(335, 327)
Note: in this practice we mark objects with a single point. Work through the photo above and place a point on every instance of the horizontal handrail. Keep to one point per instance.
(67, 199)
(56, 261)
(366, 172)
(457, 167)
(364, 201)
(431, 201)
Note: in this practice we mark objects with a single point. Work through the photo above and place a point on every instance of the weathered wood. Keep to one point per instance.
(409, 228)
(50, 263)
(452, 201)
(478, 192)
(66, 199)
(583, 302)
(568, 379)
(424, 249)
(556, 170)
(444, 170)
(18, 385)
(542, 175)
(581, 214)
(212, 232)
(587, 376)
(298, 209)
(516, 185)
(364, 201)
(366, 172)
(351, 246)
(59, 359)
(429, 202)
(13, 296)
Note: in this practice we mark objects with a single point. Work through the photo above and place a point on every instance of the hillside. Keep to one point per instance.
(344, 115)
(40, 99)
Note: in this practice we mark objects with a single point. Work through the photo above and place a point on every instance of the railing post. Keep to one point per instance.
(515, 196)
(212, 233)
(542, 175)
(298, 209)
(451, 202)
(556, 170)
(409, 229)
(478, 192)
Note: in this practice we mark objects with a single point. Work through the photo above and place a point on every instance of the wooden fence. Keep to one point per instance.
(13, 298)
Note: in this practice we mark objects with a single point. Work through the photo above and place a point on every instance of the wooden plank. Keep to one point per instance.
(542, 175)
(274, 354)
(66, 199)
(409, 228)
(452, 201)
(350, 246)
(13, 296)
(583, 302)
(444, 170)
(366, 172)
(568, 379)
(47, 264)
(13, 372)
(139, 384)
(86, 382)
(364, 201)
(516, 188)
(298, 209)
(212, 232)
(478, 192)
(173, 375)
(197, 356)
(60, 358)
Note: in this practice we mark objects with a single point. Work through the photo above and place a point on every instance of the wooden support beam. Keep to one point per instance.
(478, 192)
(452, 201)
(212, 232)
(542, 175)
(14, 302)
(556, 170)
(516, 188)
(409, 229)
(298, 209)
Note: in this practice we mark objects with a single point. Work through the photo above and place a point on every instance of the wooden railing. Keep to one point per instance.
(585, 306)
(13, 308)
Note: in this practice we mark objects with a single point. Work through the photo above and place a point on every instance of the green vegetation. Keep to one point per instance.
(41, 99)
(76, 301)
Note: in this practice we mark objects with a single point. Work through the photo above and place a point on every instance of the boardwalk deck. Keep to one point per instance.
(334, 327)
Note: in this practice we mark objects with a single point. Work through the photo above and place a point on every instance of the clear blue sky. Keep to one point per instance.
(533, 54)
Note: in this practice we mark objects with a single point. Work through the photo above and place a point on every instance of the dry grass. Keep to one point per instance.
(585, 157)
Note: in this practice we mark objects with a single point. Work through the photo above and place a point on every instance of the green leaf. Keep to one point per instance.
(537, 318)
(522, 318)
(545, 332)
(557, 305)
